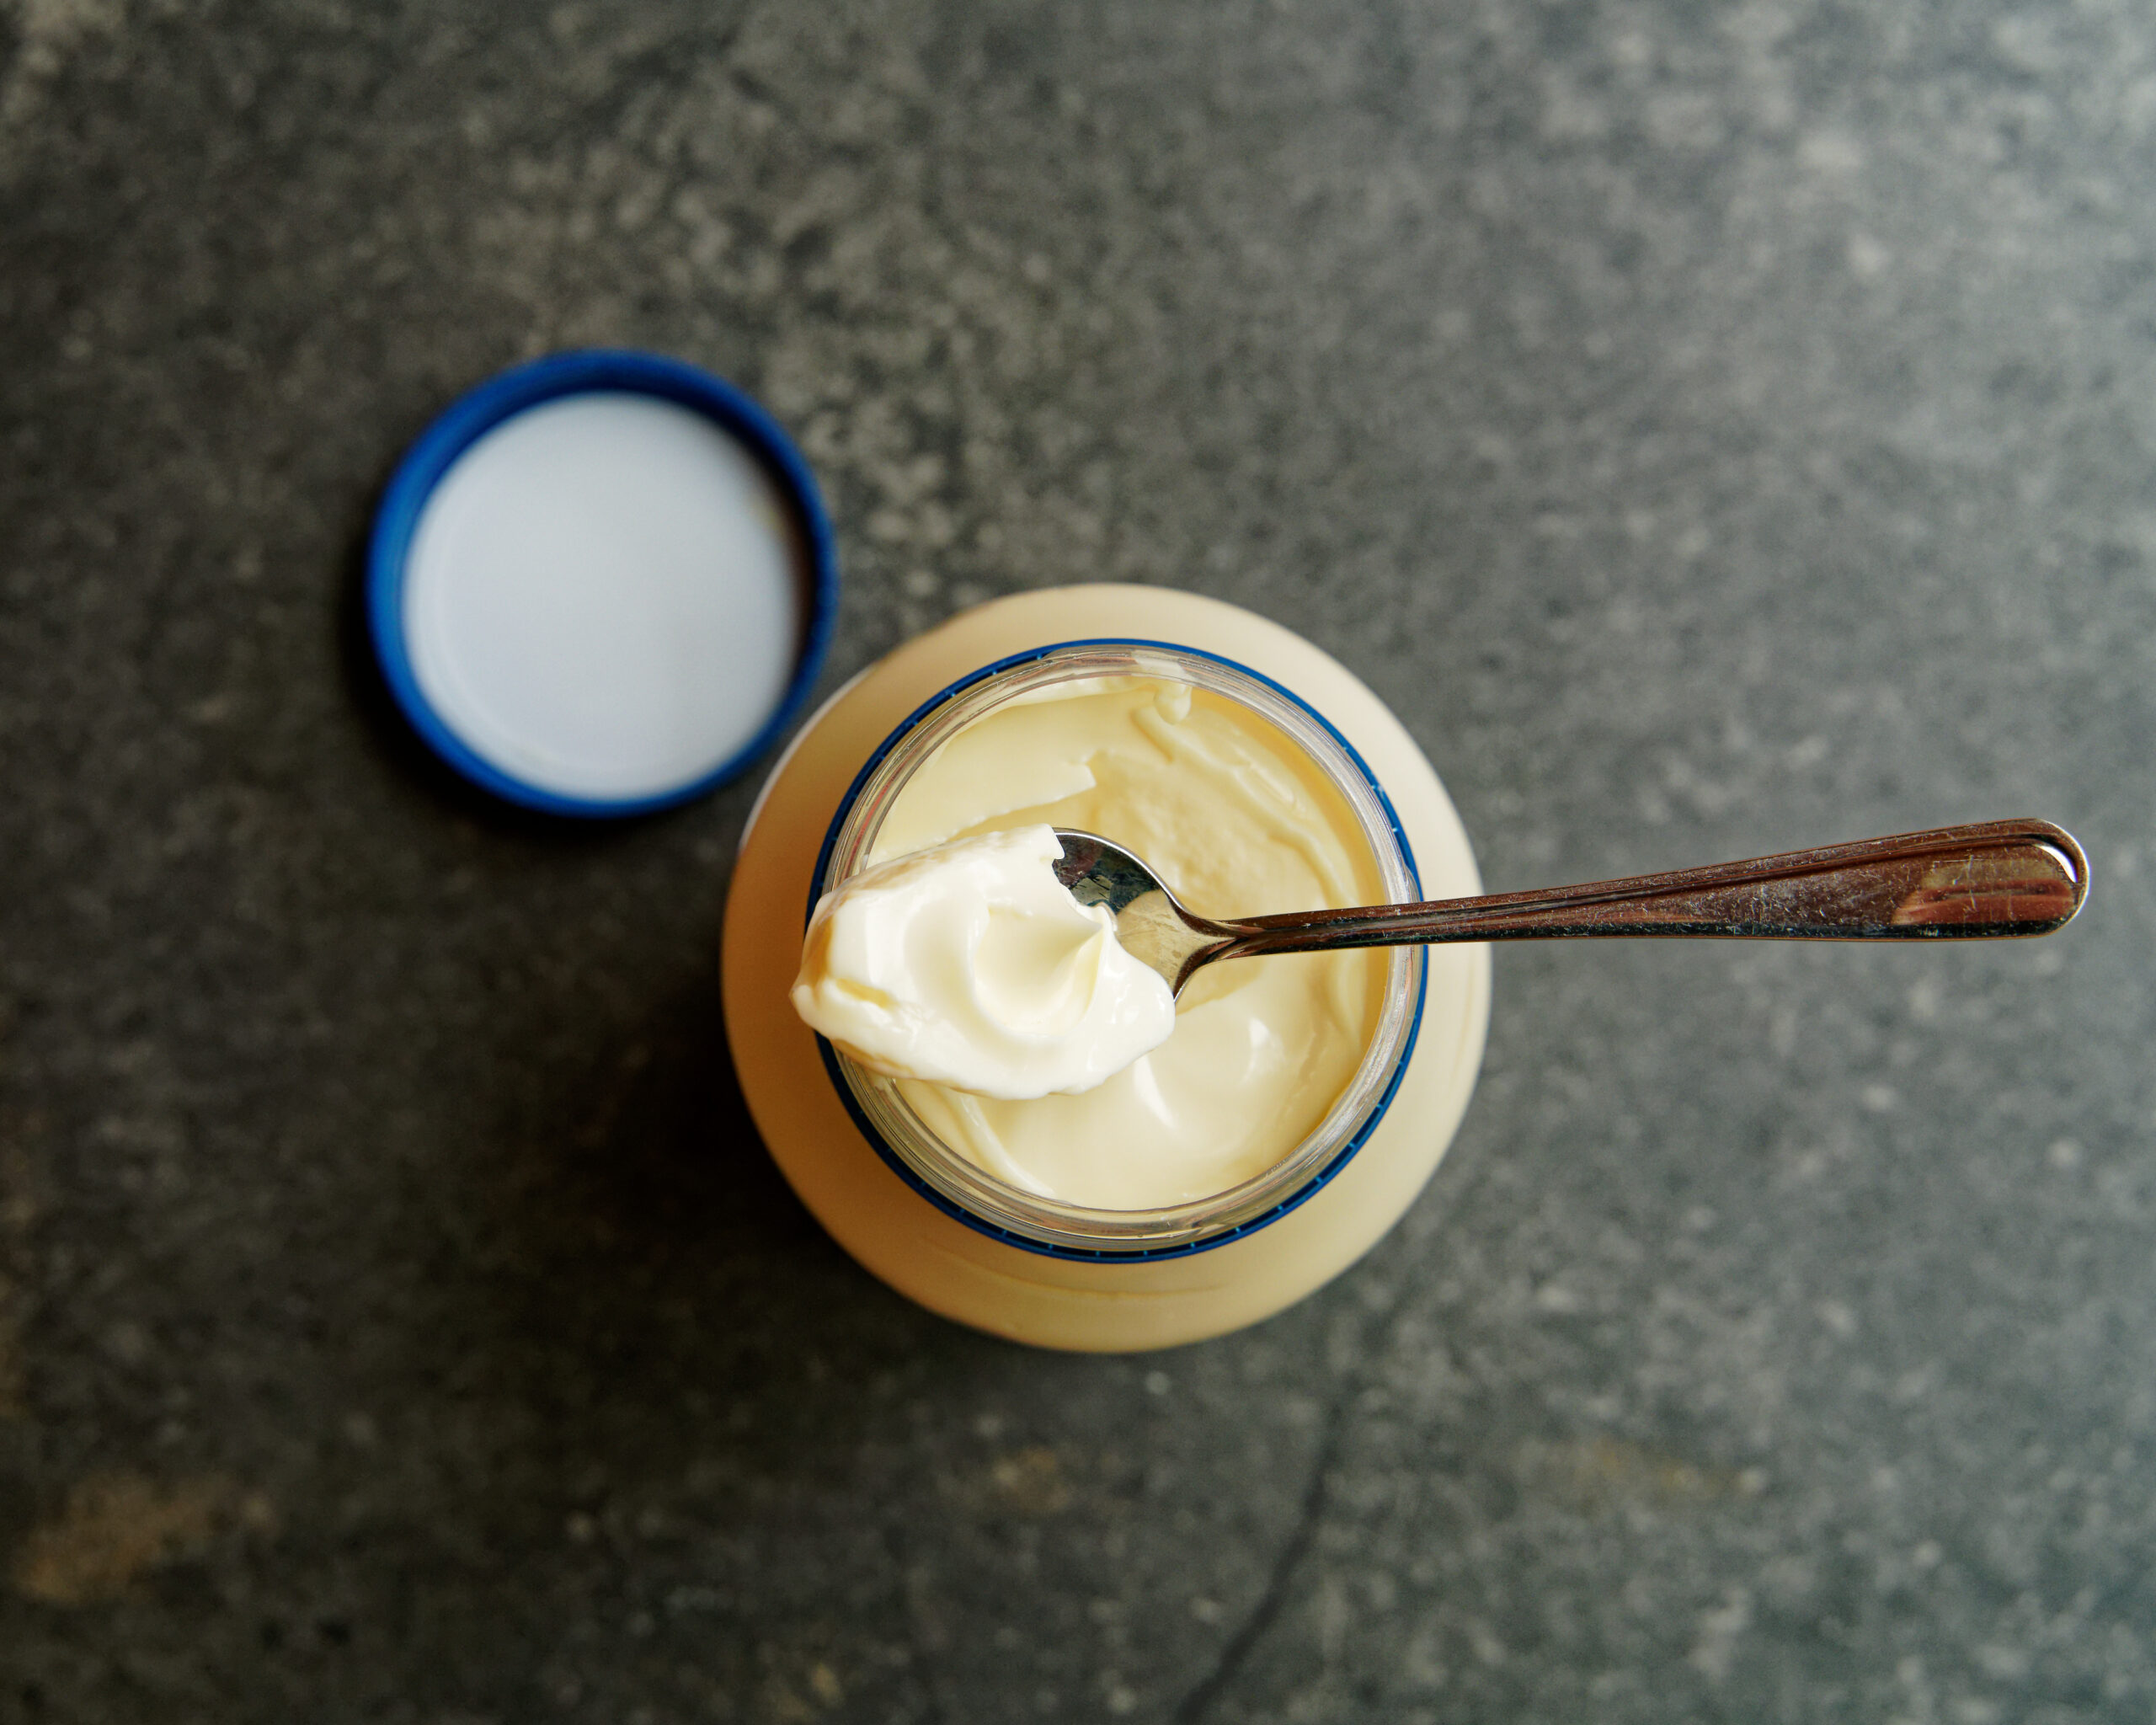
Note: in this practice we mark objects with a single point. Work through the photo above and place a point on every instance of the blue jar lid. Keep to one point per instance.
(601, 583)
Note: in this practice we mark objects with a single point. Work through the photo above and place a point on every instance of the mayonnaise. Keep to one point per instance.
(969, 964)
(1236, 819)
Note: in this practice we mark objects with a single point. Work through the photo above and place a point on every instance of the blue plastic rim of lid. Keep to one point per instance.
(480, 410)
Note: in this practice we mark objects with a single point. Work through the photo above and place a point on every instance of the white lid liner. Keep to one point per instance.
(604, 597)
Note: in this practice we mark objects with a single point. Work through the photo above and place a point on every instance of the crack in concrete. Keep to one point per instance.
(1293, 1550)
(1198, 1701)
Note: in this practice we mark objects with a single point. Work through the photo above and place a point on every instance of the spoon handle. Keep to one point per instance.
(1994, 879)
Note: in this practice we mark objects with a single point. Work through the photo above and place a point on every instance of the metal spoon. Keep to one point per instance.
(1996, 879)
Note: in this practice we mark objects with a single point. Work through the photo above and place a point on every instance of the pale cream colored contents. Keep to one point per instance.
(1234, 819)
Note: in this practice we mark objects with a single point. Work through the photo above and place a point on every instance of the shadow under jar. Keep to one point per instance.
(930, 1217)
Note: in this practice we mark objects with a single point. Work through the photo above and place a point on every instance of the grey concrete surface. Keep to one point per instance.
(1713, 428)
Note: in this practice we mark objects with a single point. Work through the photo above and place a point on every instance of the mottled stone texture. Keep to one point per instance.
(1713, 428)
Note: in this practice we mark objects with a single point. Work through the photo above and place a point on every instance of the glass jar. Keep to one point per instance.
(925, 1217)
(948, 1178)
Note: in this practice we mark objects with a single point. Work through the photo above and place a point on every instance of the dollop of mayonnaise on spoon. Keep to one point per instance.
(971, 965)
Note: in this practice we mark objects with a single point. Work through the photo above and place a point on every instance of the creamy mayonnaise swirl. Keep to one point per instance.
(1236, 819)
(969, 964)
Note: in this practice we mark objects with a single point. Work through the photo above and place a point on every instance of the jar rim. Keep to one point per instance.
(951, 1182)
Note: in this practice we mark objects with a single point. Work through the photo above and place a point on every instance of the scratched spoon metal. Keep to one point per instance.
(1983, 882)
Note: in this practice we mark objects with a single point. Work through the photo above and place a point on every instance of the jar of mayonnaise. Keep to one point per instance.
(1302, 1101)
